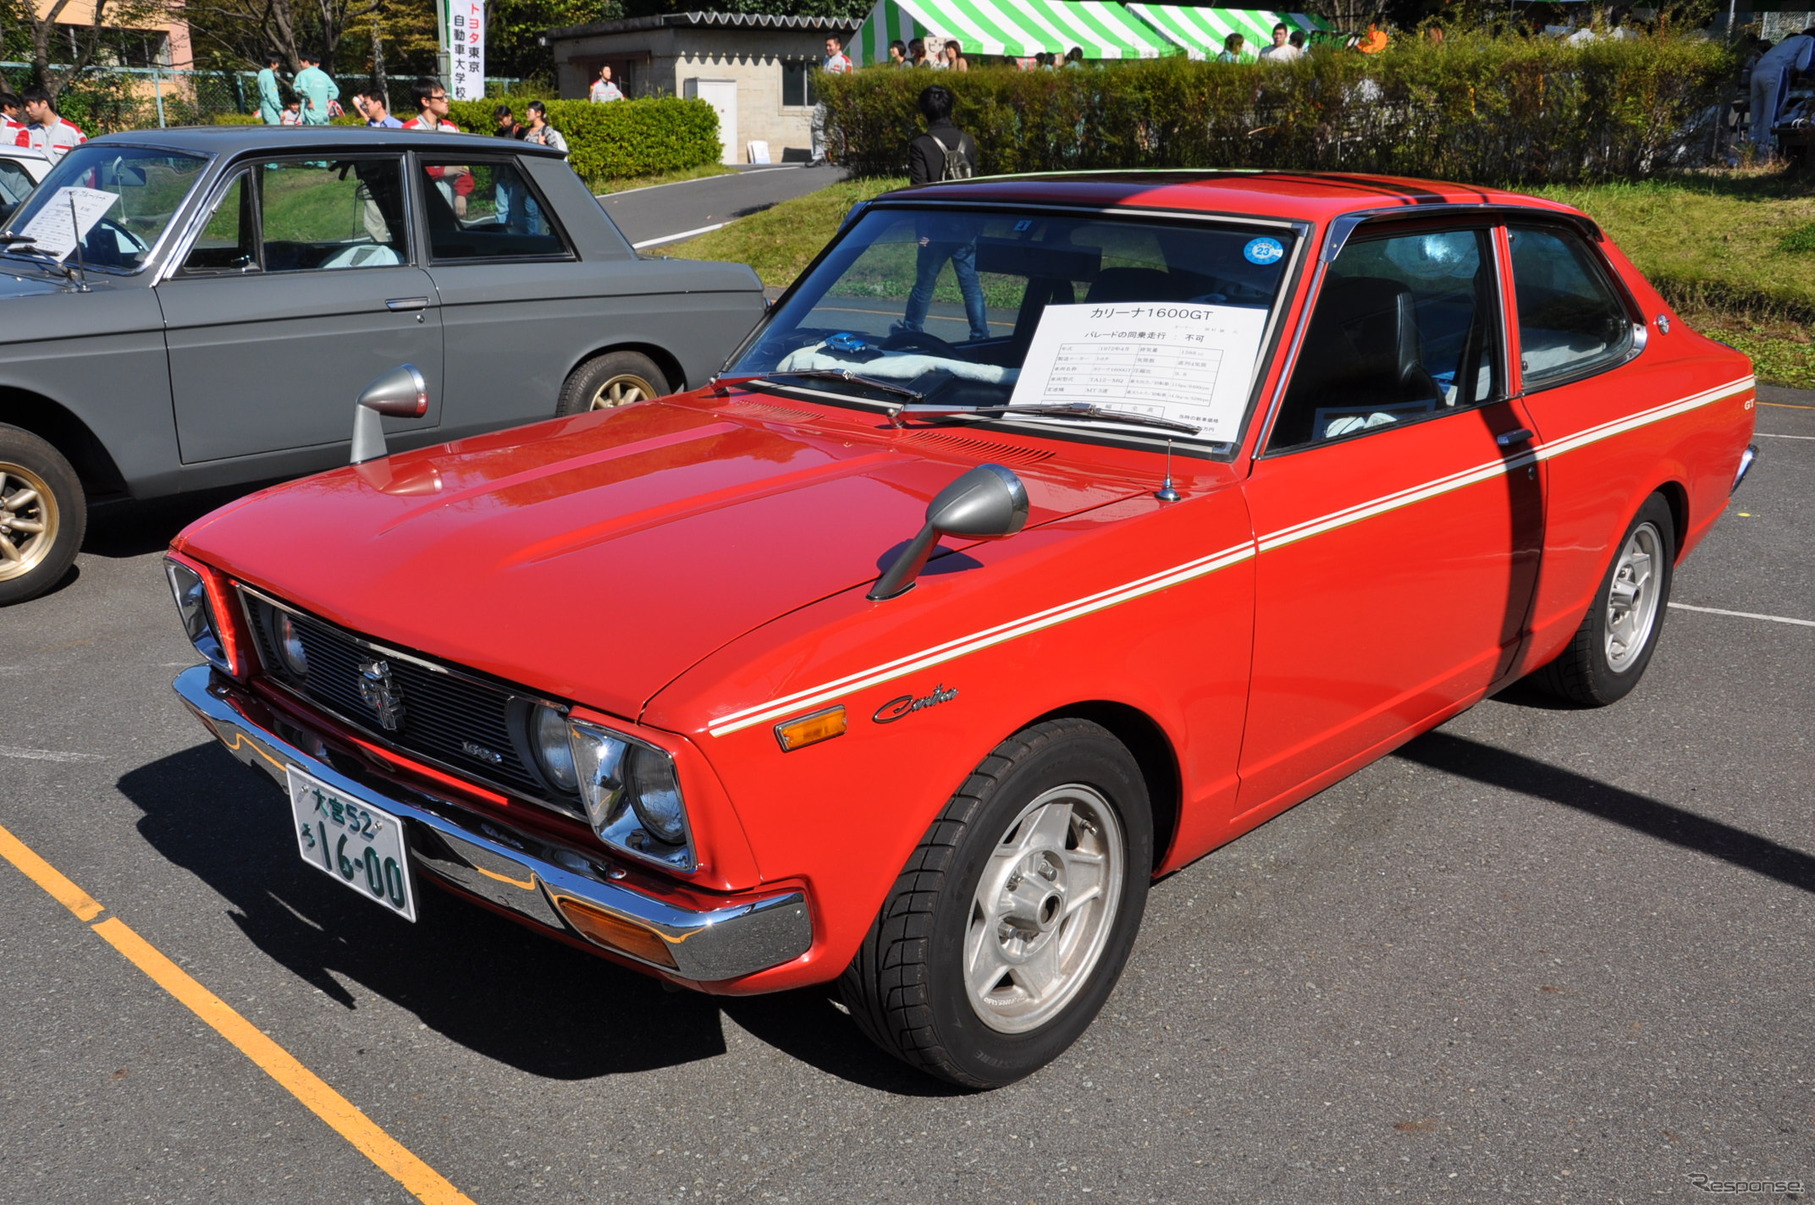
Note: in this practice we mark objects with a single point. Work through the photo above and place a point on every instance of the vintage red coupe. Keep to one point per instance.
(1046, 535)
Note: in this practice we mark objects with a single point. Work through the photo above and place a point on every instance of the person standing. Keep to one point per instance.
(1771, 77)
(917, 53)
(943, 152)
(378, 113)
(455, 184)
(1282, 50)
(954, 57)
(898, 53)
(836, 63)
(316, 88)
(1234, 50)
(508, 125)
(47, 132)
(270, 93)
(603, 89)
(540, 132)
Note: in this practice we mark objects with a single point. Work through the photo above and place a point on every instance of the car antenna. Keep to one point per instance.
(80, 277)
(1166, 493)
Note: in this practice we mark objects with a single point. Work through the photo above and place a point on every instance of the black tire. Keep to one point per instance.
(909, 988)
(1609, 652)
(616, 378)
(43, 515)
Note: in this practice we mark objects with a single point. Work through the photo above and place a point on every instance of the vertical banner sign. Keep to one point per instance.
(466, 49)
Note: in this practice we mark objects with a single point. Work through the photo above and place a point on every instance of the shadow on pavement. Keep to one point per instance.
(1464, 758)
(475, 977)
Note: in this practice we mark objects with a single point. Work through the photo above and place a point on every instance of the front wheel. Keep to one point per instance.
(616, 378)
(43, 514)
(1609, 652)
(1009, 926)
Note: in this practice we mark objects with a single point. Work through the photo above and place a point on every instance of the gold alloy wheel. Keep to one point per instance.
(28, 520)
(621, 390)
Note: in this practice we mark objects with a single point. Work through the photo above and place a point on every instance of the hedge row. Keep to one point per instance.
(605, 142)
(1507, 110)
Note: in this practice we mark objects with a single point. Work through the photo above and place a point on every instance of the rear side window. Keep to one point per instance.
(486, 211)
(1572, 320)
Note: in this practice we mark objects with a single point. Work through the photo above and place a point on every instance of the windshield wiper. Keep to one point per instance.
(842, 374)
(1089, 410)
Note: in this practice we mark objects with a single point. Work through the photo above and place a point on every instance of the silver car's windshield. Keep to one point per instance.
(1057, 316)
(147, 187)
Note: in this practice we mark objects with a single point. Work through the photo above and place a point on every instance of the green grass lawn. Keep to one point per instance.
(1734, 253)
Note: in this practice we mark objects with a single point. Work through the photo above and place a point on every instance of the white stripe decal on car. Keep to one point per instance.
(1191, 570)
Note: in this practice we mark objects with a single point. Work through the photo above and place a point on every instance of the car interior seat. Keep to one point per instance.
(1362, 352)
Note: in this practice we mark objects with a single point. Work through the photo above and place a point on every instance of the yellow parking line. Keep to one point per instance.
(1787, 406)
(391, 1156)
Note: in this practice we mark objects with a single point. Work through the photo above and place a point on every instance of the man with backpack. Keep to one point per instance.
(943, 152)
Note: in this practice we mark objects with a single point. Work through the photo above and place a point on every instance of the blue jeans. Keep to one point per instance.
(927, 262)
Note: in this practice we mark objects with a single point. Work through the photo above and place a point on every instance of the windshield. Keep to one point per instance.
(959, 310)
(141, 189)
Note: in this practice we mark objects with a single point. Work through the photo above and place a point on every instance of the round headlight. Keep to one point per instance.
(548, 736)
(290, 646)
(656, 796)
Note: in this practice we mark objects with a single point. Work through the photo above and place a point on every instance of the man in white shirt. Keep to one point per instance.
(1771, 77)
(47, 132)
(1282, 50)
(837, 63)
(603, 89)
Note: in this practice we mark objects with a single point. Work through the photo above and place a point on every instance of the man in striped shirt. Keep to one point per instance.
(47, 132)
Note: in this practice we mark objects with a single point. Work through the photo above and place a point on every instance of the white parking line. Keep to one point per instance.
(786, 167)
(1806, 623)
(1769, 435)
(46, 754)
(675, 238)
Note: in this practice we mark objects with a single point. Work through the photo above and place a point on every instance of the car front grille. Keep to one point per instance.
(449, 717)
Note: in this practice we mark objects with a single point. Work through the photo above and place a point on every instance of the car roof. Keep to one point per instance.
(238, 139)
(1316, 196)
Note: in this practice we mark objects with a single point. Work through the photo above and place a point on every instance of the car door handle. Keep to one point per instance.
(1513, 439)
(400, 304)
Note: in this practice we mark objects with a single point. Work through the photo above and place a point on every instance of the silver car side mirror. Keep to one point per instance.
(988, 502)
(402, 392)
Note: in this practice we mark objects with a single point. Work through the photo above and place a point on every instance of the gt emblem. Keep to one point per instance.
(381, 694)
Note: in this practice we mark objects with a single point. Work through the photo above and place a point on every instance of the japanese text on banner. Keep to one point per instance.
(466, 49)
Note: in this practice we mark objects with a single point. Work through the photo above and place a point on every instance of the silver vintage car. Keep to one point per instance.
(242, 284)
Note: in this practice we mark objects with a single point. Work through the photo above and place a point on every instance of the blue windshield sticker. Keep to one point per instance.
(1264, 251)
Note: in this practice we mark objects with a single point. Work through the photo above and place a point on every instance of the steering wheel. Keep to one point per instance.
(900, 339)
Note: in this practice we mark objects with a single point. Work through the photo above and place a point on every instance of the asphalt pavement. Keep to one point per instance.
(1538, 954)
(667, 213)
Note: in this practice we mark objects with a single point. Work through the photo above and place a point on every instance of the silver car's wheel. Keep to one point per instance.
(1607, 656)
(42, 515)
(1010, 923)
(1042, 911)
(1632, 597)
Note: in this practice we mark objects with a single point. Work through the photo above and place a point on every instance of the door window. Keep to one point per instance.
(1572, 321)
(1405, 328)
(305, 215)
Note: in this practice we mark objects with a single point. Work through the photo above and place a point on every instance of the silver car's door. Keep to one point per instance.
(295, 292)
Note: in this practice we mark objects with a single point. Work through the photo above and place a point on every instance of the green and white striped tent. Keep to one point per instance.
(1199, 32)
(1014, 28)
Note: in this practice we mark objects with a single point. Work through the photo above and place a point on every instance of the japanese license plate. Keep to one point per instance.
(358, 844)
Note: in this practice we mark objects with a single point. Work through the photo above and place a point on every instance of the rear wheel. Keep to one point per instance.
(616, 378)
(43, 514)
(1009, 926)
(1609, 652)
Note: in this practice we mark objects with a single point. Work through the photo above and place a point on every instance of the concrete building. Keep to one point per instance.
(754, 69)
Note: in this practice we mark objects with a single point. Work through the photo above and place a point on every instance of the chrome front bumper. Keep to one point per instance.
(517, 871)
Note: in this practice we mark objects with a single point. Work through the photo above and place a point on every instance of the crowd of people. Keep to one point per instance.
(31, 120)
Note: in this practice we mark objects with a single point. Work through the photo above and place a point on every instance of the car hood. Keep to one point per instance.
(596, 558)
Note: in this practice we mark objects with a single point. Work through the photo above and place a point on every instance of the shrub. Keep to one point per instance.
(620, 139)
(1476, 108)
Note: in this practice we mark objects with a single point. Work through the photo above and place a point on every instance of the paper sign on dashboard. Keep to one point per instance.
(1179, 360)
(66, 217)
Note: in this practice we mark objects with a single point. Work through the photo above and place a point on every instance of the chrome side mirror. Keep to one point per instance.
(989, 502)
(401, 392)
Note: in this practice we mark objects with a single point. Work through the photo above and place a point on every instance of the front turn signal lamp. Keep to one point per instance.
(811, 729)
(615, 933)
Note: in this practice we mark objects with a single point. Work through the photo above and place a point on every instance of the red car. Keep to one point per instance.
(1048, 534)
